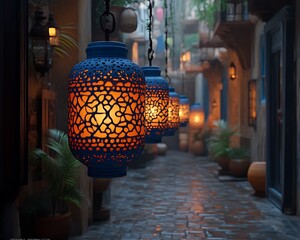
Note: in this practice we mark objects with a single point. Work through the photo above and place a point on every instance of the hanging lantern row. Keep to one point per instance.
(184, 110)
(173, 113)
(173, 107)
(156, 105)
(197, 116)
(157, 95)
(108, 121)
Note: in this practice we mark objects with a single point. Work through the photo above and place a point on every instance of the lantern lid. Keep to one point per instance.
(183, 99)
(196, 106)
(172, 93)
(150, 71)
(106, 49)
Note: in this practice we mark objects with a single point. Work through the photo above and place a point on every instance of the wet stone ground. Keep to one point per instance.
(178, 196)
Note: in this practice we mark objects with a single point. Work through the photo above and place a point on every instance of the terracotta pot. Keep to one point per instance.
(257, 177)
(53, 227)
(197, 148)
(183, 137)
(239, 167)
(183, 145)
(161, 148)
(223, 161)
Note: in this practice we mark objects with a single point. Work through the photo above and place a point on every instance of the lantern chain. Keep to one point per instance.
(150, 50)
(107, 20)
(172, 28)
(166, 41)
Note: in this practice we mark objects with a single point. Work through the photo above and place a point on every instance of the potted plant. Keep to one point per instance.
(239, 162)
(58, 172)
(218, 144)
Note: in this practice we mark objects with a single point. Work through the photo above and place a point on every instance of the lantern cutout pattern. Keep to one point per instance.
(173, 113)
(197, 116)
(184, 110)
(106, 110)
(156, 104)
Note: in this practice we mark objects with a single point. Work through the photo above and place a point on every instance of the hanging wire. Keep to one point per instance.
(150, 50)
(166, 41)
(172, 28)
(107, 20)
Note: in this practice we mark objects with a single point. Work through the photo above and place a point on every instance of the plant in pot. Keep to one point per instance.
(59, 170)
(218, 144)
(239, 162)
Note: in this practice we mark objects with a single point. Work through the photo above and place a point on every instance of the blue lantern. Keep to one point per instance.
(106, 110)
(173, 113)
(184, 110)
(197, 116)
(156, 107)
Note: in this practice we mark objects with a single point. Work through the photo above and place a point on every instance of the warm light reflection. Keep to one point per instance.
(135, 52)
(252, 103)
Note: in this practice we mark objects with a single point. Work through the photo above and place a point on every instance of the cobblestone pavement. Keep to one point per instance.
(178, 196)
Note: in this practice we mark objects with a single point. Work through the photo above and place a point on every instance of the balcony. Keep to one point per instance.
(267, 8)
(234, 27)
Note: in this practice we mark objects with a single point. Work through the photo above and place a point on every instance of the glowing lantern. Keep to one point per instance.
(184, 110)
(156, 107)
(197, 116)
(173, 113)
(106, 110)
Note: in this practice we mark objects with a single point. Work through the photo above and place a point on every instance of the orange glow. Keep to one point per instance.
(232, 71)
(135, 53)
(106, 115)
(52, 31)
(184, 110)
(186, 57)
(197, 119)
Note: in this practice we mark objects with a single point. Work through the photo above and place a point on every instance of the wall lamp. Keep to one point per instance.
(41, 48)
(53, 31)
(232, 71)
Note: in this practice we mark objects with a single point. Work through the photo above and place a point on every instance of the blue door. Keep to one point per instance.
(281, 109)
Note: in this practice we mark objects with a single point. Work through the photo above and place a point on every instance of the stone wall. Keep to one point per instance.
(258, 135)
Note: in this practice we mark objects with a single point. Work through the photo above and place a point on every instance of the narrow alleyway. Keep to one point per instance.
(178, 196)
